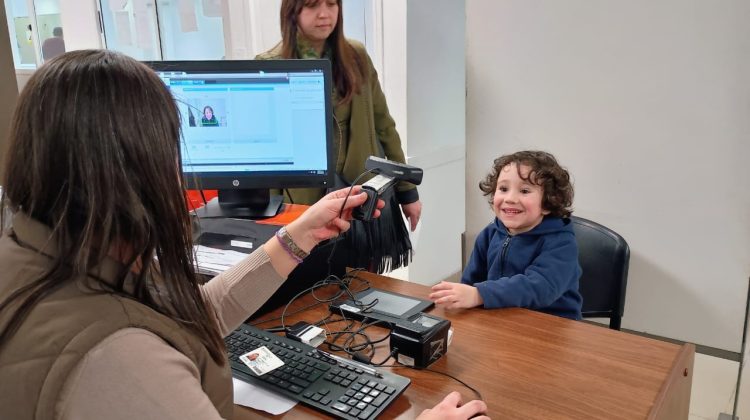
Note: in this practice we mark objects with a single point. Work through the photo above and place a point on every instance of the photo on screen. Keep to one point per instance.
(206, 112)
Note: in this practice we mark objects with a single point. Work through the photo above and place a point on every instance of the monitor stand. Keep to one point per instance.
(242, 204)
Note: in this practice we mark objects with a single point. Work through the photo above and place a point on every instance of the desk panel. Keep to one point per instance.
(532, 365)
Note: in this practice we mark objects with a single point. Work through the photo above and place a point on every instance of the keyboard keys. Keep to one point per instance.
(366, 413)
(380, 400)
(336, 388)
(341, 407)
(301, 382)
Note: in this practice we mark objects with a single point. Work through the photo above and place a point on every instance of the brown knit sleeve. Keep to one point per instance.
(238, 292)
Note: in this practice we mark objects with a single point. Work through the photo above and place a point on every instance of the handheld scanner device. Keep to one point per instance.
(388, 173)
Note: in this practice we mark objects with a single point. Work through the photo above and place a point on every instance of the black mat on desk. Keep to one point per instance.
(217, 233)
(244, 230)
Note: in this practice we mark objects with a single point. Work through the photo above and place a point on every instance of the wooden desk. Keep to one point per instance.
(530, 365)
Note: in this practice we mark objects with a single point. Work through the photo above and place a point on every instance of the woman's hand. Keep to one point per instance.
(452, 409)
(455, 295)
(412, 211)
(321, 221)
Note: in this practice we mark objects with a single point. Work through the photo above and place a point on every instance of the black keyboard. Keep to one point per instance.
(340, 388)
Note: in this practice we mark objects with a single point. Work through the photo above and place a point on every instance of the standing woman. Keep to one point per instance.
(315, 29)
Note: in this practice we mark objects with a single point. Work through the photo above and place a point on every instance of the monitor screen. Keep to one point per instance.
(248, 126)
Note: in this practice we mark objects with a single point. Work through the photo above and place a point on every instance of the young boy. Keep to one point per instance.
(528, 256)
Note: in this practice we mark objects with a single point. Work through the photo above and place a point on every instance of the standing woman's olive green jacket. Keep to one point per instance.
(363, 127)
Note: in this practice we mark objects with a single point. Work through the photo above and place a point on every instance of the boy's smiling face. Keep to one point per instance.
(518, 203)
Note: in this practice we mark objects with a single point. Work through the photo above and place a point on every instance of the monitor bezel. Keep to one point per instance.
(260, 179)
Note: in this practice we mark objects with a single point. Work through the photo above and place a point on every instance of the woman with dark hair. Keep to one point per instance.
(91, 325)
(209, 118)
(315, 29)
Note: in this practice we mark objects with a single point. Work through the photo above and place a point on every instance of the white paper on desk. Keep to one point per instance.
(215, 261)
(259, 398)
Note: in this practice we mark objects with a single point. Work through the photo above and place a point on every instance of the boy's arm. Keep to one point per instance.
(541, 284)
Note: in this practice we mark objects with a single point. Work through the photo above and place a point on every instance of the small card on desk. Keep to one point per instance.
(261, 360)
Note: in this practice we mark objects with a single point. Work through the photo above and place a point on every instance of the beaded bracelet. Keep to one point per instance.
(289, 246)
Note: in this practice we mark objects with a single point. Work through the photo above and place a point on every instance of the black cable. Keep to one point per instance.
(289, 195)
(330, 280)
(477, 393)
(393, 353)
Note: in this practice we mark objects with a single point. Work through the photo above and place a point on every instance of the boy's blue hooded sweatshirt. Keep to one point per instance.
(537, 269)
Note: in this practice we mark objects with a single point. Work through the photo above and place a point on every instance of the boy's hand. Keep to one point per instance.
(455, 295)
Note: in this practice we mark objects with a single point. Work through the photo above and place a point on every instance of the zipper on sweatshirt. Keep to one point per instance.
(503, 254)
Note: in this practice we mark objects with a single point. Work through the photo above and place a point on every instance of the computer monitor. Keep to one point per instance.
(249, 126)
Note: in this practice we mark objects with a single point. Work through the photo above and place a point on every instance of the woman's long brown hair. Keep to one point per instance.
(94, 155)
(349, 69)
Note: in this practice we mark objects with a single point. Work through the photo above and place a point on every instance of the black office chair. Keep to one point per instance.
(604, 257)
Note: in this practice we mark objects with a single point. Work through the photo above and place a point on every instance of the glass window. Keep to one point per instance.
(204, 29)
(35, 29)
(49, 28)
(130, 27)
(165, 29)
(192, 29)
(21, 34)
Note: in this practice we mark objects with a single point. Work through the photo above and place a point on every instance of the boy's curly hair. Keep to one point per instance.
(545, 172)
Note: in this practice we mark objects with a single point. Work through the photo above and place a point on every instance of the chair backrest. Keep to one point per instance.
(604, 257)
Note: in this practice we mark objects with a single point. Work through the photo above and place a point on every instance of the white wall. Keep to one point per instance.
(646, 102)
(393, 74)
(436, 112)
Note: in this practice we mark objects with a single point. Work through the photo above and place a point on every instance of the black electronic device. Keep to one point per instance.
(388, 173)
(381, 305)
(399, 171)
(374, 188)
(333, 385)
(249, 126)
(420, 340)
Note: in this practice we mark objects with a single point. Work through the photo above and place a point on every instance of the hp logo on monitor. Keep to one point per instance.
(236, 182)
